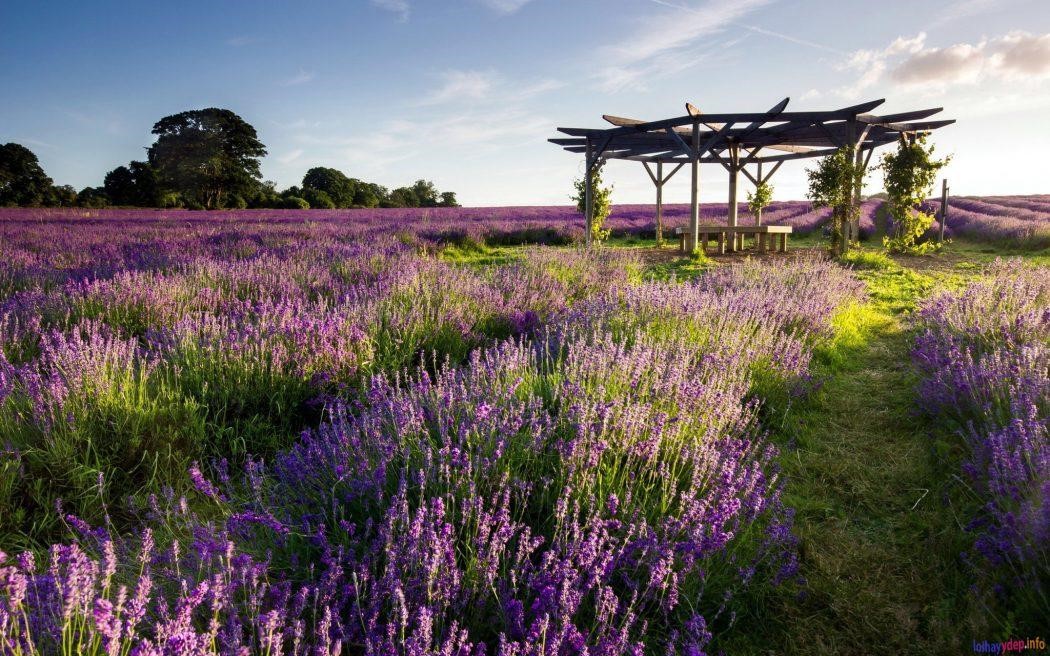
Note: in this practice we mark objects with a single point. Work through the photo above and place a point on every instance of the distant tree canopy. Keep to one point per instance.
(22, 180)
(207, 155)
(204, 159)
(338, 188)
(135, 184)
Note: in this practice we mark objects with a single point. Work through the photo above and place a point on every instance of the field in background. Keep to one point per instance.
(1015, 221)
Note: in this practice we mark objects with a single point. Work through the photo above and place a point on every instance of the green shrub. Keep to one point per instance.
(293, 203)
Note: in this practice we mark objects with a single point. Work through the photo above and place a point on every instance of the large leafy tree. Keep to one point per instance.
(22, 180)
(207, 155)
(332, 182)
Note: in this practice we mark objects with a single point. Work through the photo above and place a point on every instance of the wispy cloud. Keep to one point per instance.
(790, 39)
(291, 156)
(240, 41)
(399, 7)
(505, 6)
(665, 43)
(302, 77)
(484, 86)
(461, 85)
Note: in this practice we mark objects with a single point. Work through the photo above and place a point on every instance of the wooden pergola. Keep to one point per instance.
(736, 141)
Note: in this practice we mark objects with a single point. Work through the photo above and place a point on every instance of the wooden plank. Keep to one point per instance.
(673, 171)
(742, 117)
(652, 177)
(902, 116)
(771, 171)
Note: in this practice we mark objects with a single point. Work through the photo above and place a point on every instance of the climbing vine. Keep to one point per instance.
(601, 196)
(910, 173)
(831, 184)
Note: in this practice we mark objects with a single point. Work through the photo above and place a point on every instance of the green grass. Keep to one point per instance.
(877, 504)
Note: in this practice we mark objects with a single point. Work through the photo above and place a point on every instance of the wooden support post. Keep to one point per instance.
(857, 189)
(694, 200)
(944, 209)
(659, 203)
(734, 170)
(588, 202)
(758, 215)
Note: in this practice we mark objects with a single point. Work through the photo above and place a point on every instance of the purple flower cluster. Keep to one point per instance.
(985, 354)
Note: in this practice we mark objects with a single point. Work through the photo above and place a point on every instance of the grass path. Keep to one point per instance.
(879, 539)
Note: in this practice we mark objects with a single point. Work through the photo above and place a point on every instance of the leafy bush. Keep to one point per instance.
(293, 203)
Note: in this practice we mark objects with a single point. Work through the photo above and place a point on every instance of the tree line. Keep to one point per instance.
(203, 159)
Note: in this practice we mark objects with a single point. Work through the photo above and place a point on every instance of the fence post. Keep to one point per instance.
(944, 207)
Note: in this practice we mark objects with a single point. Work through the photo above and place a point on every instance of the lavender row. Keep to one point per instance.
(985, 354)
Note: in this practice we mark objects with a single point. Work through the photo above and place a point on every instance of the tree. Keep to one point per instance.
(134, 184)
(120, 186)
(403, 197)
(207, 155)
(600, 197)
(910, 173)
(318, 199)
(61, 196)
(94, 197)
(448, 199)
(22, 180)
(426, 193)
(334, 183)
(831, 184)
(759, 200)
(368, 194)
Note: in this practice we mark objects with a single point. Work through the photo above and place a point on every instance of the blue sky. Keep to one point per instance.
(466, 92)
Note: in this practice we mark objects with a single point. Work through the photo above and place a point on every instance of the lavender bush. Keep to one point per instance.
(985, 353)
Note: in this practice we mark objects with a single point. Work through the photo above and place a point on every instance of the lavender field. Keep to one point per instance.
(1019, 221)
(305, 433)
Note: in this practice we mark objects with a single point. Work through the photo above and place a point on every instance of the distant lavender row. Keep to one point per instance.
(985, 354)
(1016, 220)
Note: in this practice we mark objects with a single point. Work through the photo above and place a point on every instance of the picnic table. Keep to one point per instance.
(766, 237)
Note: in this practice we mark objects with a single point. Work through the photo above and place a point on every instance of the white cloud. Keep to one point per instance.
(908, 61)
(1023, 54)
(955, 64)
(399, 7)
(505, 6)
(302, 77)
(461, 85)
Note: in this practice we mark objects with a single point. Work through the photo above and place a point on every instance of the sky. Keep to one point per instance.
(466, 92)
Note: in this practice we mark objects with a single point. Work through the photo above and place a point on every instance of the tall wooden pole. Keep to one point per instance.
(858, 187)
(734, 170)
(588, 202)
(758, 214)
(659, 203)
(694, 208)
(944, 208)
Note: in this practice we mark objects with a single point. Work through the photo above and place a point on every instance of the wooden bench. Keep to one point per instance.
(766, 237)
